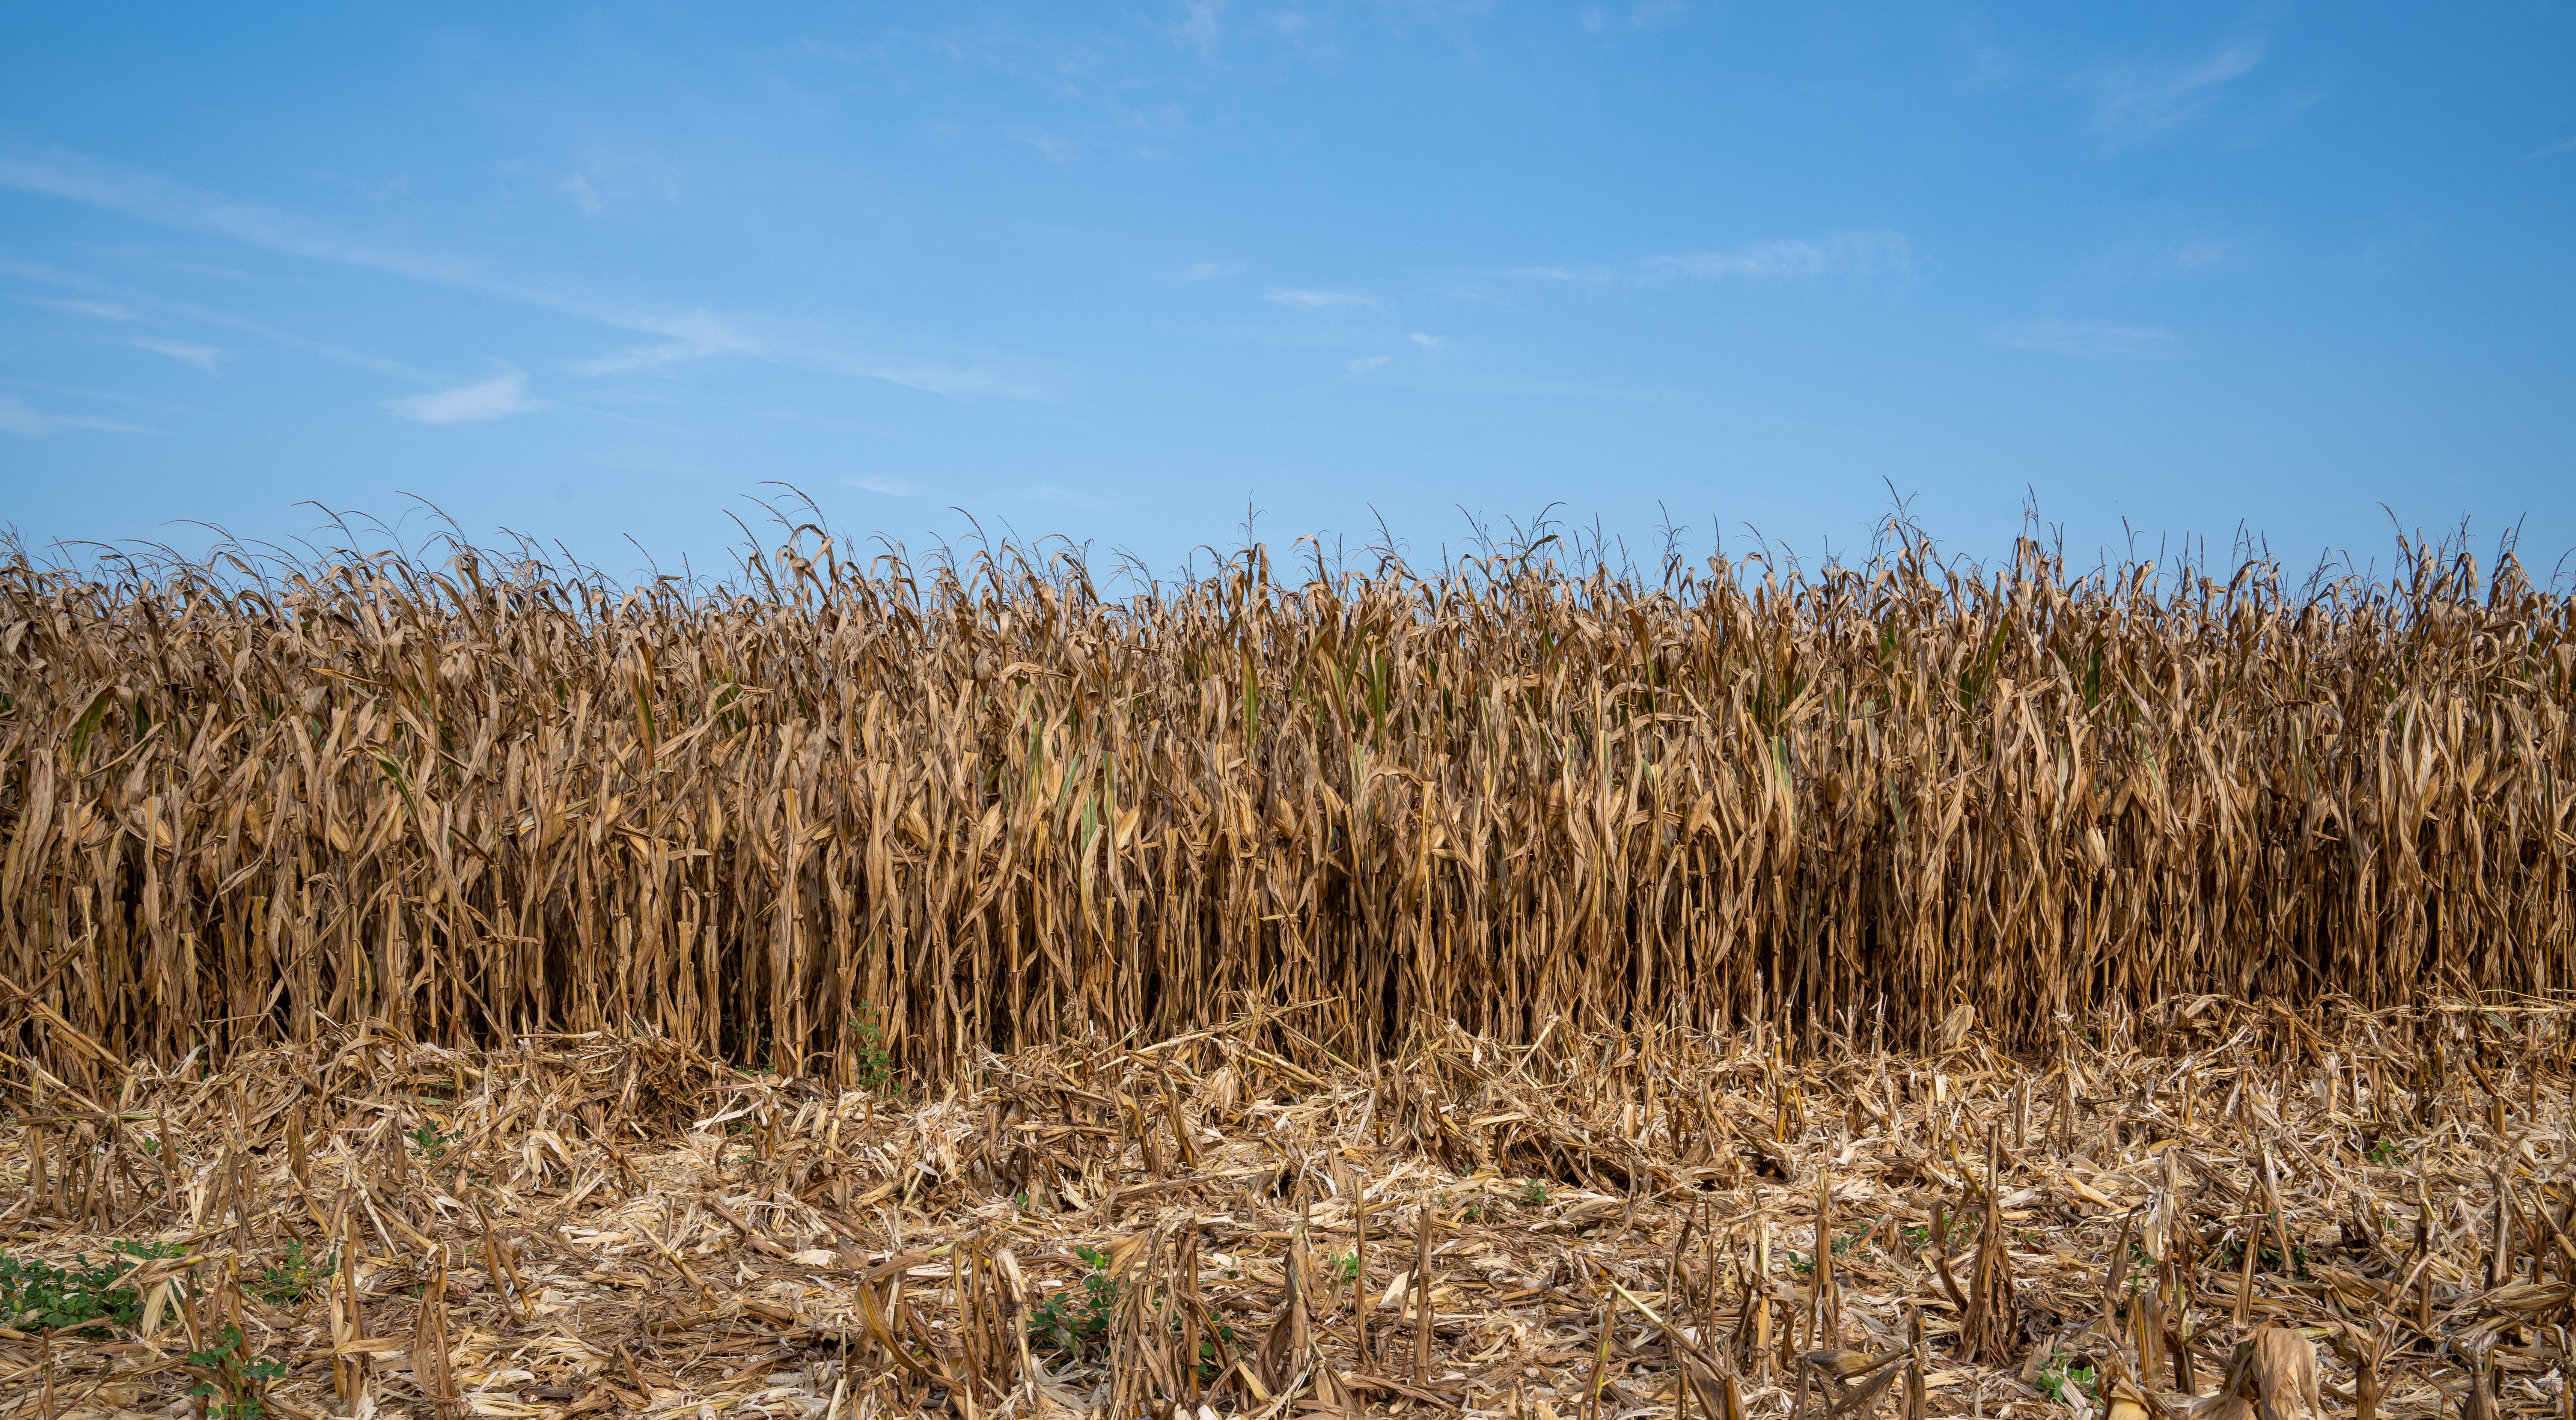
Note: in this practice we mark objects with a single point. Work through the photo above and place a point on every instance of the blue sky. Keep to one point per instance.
(1119, 272)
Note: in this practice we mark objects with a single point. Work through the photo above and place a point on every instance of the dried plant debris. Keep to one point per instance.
(2165, 1218)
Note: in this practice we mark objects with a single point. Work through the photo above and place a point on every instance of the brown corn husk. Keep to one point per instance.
(1991, 1330)
(2274, 1377)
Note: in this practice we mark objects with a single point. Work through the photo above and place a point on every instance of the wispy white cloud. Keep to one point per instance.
(97, 310)
(1301, 299)
(638, 358)
(1054, 148)
(1427, 342)
(697, 335)
(2134, 102)
(701, 335)
(583, 194)
(1842, 254)
(323, 349)
(1854, 254)
(497, 398)
(1557, 273)
(1201, 26)
(1211, 270)
(890, 487)
(2086, 339)
(930, 377)
(1366, 363)
(17, 417)
(122, 300)
(204, 357)
(156, 199)
(2554, 149)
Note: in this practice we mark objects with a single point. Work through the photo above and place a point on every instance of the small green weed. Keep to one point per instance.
(429, 1142)
(1533, 1193)
(1070, 1326)
(1346, 1268)
(237, 1388)
(875, 1063)
(293, 1278)
(2266, 1258)
(2386, 1152)
(1215, 1338)
(80, 1297)
(1806, 1262)
(2059, 1377)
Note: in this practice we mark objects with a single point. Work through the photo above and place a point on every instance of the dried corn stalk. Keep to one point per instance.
(871, 818)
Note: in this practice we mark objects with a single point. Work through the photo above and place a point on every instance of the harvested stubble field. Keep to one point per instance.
(588, 1225)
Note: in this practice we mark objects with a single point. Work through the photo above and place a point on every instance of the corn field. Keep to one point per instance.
(843, 813)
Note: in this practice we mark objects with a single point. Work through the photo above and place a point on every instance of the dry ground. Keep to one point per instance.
(595, 1226)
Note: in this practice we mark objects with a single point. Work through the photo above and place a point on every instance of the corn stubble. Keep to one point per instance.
(1612, 1225)
(930, 809)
